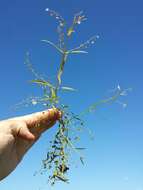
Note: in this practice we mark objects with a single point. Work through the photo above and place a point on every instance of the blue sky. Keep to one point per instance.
(114, 160)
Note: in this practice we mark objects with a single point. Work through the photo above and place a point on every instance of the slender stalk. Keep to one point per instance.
(61, 68)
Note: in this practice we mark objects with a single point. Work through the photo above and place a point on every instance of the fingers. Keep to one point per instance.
(30, 127)
(20, 129)
(24, 133)
(43, 128)
(41, 121)
(31, 135)
(42, 118)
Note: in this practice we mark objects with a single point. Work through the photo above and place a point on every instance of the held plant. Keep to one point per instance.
(69, 126)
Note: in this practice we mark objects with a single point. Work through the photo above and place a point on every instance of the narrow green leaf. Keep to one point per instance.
(54, 45)
(70, 31)
(80, 148)
(68, 88)
(81, 159)
(42, 82)
(78, 51)
(62, 178)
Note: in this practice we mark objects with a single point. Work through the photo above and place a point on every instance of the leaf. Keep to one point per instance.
(52, 44)
(81, 159)
(80, 148)
(68, 88)
(78, 51)
(70, 31)
(77, 138)
(62, 178)
(42, 82)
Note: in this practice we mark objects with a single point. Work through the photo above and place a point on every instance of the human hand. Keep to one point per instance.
(18, 134)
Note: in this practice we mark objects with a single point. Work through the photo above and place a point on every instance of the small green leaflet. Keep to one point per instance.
(42, 82)
(78, 51)
(68, 88)
(54, 45)
(62, 178)
(81, 159)
(80, 148)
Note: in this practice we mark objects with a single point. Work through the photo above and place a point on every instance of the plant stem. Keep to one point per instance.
(61, 68)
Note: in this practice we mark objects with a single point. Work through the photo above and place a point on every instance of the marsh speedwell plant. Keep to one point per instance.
(65, 140)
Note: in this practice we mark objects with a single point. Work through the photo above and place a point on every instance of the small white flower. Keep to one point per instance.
(47, 9)
(61, 24)
(124, 105)
(34, 102)
(92, 42)
(124, 93)
(118, 87)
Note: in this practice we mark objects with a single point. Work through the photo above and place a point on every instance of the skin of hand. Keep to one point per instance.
(18, 134)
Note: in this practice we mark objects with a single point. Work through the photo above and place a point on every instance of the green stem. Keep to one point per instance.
(61, 68)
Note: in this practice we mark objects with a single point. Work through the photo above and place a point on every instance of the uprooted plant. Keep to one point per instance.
(57, 159)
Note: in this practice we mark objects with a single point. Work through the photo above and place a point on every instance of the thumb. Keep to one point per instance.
(31, 126)
(37, 123)
(31, 135)
(20, 129)
(41, 118)
(24, 133)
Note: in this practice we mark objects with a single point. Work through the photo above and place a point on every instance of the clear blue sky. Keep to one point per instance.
(115, 159)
